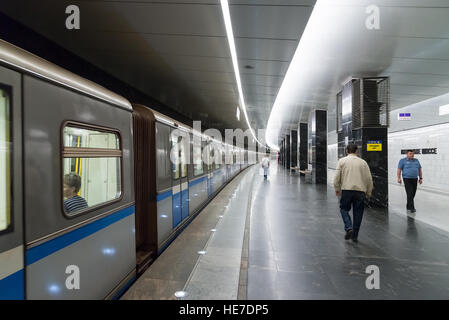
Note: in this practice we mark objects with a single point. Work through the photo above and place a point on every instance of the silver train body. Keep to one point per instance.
(47, 252)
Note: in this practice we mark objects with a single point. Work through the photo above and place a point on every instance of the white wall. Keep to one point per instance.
(332, 150)
(424, 113)
(435, 167)
(426, 129)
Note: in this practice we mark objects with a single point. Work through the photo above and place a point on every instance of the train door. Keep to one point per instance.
(210, 171)
(176, 178)
(163, 183)
(184, 183)
(11, 212)
(228, 158)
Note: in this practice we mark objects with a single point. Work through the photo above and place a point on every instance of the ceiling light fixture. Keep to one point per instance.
(230, 35)
(284, 104)
(443, 110)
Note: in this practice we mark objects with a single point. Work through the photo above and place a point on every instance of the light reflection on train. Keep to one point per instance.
(93, 198)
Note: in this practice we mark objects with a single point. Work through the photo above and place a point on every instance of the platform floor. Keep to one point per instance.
(219, 231)
(295, 248)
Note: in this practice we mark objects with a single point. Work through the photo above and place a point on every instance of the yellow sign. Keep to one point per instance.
(375, 145)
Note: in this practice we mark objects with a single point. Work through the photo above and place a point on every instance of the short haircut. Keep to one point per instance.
(410, 150)
(73, 181)
(351, 148)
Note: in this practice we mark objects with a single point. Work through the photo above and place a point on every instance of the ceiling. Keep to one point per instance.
(177, 52)
(411, 47)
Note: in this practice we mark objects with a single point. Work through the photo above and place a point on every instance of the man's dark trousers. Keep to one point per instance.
(356, 199)
(410, 188)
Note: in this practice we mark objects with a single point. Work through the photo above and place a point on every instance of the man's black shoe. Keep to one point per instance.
(355, 240)
(348, 234)
(413, 210)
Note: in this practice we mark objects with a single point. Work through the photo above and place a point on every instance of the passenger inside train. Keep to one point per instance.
(72, 201)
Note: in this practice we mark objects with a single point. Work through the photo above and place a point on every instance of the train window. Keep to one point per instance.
(184, 160)
(175, 166)
(91, 168)
(197, 161)
(223, 156)
(86, 138)
(163, 163)
(217, 164)
(5, 160)
(210, 157)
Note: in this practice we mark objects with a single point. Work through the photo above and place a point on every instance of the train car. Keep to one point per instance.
(66, 183)
(168, 195)
(89, 196)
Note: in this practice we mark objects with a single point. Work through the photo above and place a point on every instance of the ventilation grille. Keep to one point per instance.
(375, 102)
(356, 105)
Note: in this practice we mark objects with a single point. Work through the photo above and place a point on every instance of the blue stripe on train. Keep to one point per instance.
(47, 248)
(185, 204)
(164, 195)
(210, 187)
(176, 209)
(12, 287)
(194, 182)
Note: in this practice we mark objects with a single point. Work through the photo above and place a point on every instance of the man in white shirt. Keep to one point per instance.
(265, 166)
(353, 182)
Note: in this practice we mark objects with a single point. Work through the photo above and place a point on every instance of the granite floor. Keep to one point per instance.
(431, 205)
(297, 248)
(217, 232)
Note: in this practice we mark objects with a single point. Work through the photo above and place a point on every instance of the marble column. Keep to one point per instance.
(377, 162)
(294, 148)
(318, 134)
(282, 153)
(287, 151)
(303, 146)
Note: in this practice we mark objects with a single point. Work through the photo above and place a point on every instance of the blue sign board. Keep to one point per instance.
(404, 116)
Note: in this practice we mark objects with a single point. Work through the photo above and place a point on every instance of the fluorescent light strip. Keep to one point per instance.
(283, 102)
(443, 110)
(230, 35)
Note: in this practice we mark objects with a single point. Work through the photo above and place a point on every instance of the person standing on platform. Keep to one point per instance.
(410, 169)
(352, 183)
(265, 166)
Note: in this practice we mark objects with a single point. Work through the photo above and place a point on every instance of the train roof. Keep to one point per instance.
(25, 61)
(176, 124)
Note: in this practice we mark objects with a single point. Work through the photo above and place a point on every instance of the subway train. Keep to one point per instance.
(88, 194)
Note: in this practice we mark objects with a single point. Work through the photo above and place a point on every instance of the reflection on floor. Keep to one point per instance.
(431, 205)
(297, 248)
(218, 233)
